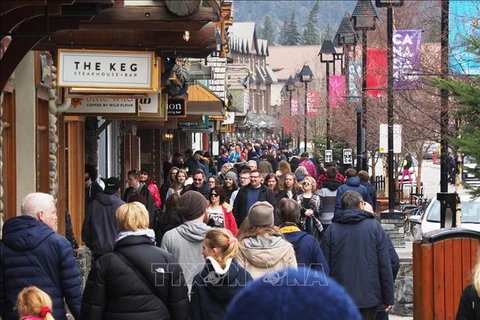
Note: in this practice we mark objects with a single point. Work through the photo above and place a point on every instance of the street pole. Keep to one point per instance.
(305, 121)
(328, 103)
(363, 135)
(391, 180)
(290, 133)
(444, 116)
(359, 137)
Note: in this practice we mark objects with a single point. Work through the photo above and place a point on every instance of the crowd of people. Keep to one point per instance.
(243, 237)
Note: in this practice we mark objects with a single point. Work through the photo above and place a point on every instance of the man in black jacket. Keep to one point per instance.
(138, 191)
(250, 194)
(356, 248)
(199, 184)
(99, 229)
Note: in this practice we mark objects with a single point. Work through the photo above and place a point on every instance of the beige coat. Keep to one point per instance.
(260, 255)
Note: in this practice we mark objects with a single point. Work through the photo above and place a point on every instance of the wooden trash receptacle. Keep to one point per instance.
(442, 265)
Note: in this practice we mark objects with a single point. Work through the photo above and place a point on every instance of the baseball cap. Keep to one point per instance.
(112, 185)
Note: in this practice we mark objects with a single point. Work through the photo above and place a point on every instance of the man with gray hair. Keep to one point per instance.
(33, 254)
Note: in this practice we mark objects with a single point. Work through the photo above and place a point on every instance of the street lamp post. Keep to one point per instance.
(290, 86)
(306, 76)
(389, 4)
(327, 55)
(346, 37)
(364, 18)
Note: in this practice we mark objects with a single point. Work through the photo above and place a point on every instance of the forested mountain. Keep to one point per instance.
(330, 13)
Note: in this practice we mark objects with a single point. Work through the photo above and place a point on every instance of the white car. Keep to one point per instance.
(469, 163)
(430, 219)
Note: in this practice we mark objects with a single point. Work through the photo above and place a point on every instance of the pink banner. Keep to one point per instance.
(294, 107)
(376, 72)
(288, 125)
(313, 101)
(336, 87)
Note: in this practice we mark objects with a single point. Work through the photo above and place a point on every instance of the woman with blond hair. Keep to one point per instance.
(309, 201)
(137, 280)
(221, 278)
(34, 304)
(469, 306)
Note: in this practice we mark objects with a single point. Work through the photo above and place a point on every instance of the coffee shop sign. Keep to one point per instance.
(106, 69)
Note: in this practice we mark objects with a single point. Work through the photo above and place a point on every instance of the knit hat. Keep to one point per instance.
(276, 296)
(261, 214)
(191, 205)
(232, 175)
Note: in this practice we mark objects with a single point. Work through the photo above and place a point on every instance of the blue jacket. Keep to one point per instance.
(357, 251)
(307, 250)
(352, 183)
(32, 254)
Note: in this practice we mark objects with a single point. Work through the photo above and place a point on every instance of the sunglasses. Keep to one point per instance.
(197, 179)
(214, 195)
(306, 183)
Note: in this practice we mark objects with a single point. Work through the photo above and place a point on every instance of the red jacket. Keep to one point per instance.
(323, 177)
(229, 219)
(152, 187)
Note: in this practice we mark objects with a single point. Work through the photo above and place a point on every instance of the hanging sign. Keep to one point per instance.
(177, 108)
(116, 106)
(347, 156)
(122, 70)
(407, 50)
(328, 155)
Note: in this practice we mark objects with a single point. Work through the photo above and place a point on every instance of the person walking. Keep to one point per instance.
(221, 279)
(138, 191)
(307, 250)
(250, 194)
(406, 165)
(152, 187)
(309, 202)
(328, 195)
(261, 247)
(351, 184)
(33, 254)
(34, 304)
(372, 192)
(469, 304)
(220, 212)
(199, 184)
(356, 248)
(99, 229)
(230, 185)
(137, 280)
(185, 241)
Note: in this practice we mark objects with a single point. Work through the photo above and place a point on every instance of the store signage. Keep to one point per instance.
(107, 69)
(195, 125)
(103, 106)
(347, 156)
(177, 108)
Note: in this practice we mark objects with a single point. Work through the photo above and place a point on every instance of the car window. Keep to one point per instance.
(470, 212)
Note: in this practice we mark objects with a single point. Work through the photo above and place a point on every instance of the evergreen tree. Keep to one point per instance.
(292, 37)
(466, 93)
(267, 32)
(282, 39)
(310, 34)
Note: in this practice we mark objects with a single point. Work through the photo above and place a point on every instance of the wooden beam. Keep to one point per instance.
(20, 46)
(16, 16)
(6, 6)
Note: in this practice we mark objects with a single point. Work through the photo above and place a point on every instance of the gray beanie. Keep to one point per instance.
(232, 175)
(261, 214)
(191, 205)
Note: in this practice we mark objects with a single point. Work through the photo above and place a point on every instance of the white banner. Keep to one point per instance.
(103, 106)
(106, 69)
(397, 138)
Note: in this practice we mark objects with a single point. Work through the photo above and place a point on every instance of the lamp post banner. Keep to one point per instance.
(354, 78)
(377, 77)
(407, 51)
(313, 101)
(336, 86)
(294, 107)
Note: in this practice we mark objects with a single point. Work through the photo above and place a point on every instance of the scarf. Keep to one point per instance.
(141, 232)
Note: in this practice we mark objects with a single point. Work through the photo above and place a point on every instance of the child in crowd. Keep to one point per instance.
(34, 304)
(221, 278)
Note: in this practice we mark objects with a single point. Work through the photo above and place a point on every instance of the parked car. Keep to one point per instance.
(430, 219)
(468, 162)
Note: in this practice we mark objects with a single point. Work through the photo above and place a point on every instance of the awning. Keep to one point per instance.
(203, 102)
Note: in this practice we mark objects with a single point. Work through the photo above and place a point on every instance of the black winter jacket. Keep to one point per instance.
(99, 229)
(130, 192)
(212, 291)
(240, 205)
(469, 306)
(356, 248)
(115, 291)
(32, 254)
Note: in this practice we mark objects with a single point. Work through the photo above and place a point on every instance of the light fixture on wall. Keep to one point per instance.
(186, 35)
(167, 136)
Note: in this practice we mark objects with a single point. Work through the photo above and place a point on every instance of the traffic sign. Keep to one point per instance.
(347, 156)
(328, 156)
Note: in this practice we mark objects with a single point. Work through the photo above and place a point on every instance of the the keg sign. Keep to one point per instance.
(347, 156)
(328, 156)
